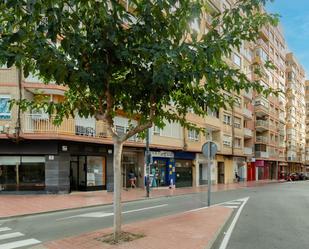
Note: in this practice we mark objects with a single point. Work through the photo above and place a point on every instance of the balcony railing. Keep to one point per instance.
(262, 123)
(248, 151)
(261, 154)
(247, 113)
(261, 139)
(248, 132)
(40, 124)
(44, 124)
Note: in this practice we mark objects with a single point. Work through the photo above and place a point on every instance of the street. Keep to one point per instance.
(274, 216)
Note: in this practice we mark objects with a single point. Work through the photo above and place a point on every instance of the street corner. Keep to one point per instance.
(194, 229)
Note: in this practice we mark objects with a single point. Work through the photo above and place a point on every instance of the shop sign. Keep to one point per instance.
(162, 153)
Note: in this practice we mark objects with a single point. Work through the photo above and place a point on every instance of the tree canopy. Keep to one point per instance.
(140, 59)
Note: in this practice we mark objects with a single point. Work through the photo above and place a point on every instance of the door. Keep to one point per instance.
(221, 172)
(73, 176)
(183, 177)
(160, 173)
(201, 174)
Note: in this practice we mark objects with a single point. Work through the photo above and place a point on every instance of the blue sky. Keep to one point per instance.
(295, 22)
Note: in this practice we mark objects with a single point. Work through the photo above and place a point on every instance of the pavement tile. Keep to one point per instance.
(182, 231)
(14, 205)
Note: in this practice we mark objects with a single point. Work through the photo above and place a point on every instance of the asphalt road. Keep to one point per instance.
(275, 216)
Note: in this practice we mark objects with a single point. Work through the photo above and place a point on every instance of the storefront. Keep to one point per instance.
(283, 170)
(55, 166)
(22, 173)
(251, 171)
(240, 167)
(184, 169)
(163, 168)
(133, 162)
(262, 170)
(87, 173)
(202, 170)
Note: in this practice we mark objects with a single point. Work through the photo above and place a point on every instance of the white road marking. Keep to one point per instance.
(233, 203)
(237, 201)
(104, 214)
(20, 243)
(234, 207)
(228, 233)
(4, 229)
(10, 236)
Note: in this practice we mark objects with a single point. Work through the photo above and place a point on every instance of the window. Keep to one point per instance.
(120, 129)
(5, 112)
(237, 102)
(212, 113)
(237, 142)
(227, 119)
(237, 60)
(193, 135)
(237, 122)
(227, 140)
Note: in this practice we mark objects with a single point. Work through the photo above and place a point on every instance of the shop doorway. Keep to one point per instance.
(74, 176)
(221, 172)
(183, 171)
(202, 174)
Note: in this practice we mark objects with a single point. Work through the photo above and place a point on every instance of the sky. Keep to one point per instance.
(295, 21)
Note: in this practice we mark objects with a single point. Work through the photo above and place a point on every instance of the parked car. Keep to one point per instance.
(303, 176)
(292, 177)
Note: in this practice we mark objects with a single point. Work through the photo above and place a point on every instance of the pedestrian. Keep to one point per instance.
(132, 179)
(237, 177)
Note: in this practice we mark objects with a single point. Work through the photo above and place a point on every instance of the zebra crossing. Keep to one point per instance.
(10, 239)
(235, 204)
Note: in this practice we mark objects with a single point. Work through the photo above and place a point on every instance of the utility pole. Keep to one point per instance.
(147, 163)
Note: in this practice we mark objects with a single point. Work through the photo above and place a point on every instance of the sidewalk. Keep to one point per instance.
(196, 229)
(15, 205)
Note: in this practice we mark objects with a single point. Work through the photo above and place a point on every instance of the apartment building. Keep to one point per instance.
(307, 124)
(296, 114)
(270, 137)
(259, 138)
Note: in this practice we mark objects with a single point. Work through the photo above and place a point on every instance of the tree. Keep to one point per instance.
(147, 60)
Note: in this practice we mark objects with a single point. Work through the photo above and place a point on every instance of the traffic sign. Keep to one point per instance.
(213, 149)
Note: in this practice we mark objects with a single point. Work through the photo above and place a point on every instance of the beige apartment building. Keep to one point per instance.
(77, 155)
(307, 124)
(270, 137)
(296, 114)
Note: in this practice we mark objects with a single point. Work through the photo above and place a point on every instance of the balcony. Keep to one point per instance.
(248, 94)
(247, 113)
(261, 110)
(261, 139)
(262, 125)
(248, 133)
(261, 154)
(263, 44)
(264, 33)
(43, 124)
(248, 151)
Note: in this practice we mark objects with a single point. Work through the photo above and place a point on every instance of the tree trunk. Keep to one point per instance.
(117, 188)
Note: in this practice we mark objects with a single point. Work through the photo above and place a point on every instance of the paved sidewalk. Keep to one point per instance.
(15, 205)
(196, 229)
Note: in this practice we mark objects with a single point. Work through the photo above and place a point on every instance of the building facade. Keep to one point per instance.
(296, 114)
(258, 138)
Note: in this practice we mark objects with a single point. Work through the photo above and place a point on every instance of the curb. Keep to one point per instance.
(216, 236)
(110, 203)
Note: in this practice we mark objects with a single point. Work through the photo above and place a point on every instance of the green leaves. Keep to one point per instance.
(142, 59)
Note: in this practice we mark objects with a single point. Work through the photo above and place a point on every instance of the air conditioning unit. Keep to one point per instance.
(39, 115)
